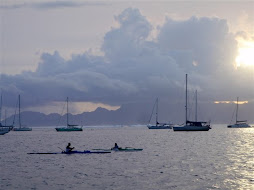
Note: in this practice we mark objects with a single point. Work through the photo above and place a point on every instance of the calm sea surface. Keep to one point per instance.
(221, 158)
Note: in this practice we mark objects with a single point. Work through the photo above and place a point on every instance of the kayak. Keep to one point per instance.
(126, 149)
(73, 152)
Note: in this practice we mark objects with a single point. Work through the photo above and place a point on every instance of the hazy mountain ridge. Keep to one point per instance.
(131, 114)
(100, 116)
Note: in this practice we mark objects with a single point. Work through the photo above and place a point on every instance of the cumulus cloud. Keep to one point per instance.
(203, 41)
(134, 69)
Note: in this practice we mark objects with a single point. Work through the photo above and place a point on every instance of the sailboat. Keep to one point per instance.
(69, 127)
(191, 125)
(4, 127)
(157, 124)
(20, 128)
(2, 132)
(239, 124)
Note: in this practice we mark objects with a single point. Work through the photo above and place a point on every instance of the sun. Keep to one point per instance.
(245, 55)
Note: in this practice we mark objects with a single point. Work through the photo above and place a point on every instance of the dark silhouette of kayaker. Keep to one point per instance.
(69, 148)
(116, 147)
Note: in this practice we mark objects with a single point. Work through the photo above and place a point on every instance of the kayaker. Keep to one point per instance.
(115, 147)
(69, 148)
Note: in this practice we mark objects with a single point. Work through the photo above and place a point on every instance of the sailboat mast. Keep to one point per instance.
(236, 109)
(1, 108)
(186, 100)
(196, 110)
(5, 117)
(19, 113)
(67, 112)
(157, 102)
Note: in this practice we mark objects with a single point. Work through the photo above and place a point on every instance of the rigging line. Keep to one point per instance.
(180, 93)
(191, 106)
(1, 104)
(152, 111)
(14, 118)
(61, 115)
(233, 115)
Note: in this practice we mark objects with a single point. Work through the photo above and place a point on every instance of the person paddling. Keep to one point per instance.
(69, 148)
(116, 147)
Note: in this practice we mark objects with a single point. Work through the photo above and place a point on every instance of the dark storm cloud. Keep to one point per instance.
(134, 69)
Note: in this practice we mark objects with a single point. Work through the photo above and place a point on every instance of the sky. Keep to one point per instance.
(110, 53)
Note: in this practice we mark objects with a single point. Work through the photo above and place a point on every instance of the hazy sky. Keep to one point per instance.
(110, 53)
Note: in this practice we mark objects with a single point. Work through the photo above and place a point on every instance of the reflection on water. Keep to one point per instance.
(221, 158)
(240, 159)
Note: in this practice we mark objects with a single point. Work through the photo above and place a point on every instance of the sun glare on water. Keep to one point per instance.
(245, 55)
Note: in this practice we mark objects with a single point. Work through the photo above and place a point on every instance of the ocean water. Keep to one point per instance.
(221, 158)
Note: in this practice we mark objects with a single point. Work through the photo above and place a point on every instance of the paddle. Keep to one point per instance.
(61, 149)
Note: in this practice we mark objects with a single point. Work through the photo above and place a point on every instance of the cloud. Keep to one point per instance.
(47, 5)
(203, 41)
(67, 4)
(134, 69)
(128, 39)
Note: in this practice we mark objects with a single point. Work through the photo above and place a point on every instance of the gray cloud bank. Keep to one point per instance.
(135, 69)
(47, 5)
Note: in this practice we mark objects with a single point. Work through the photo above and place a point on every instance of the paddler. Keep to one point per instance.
(116, 147)
(69, 148)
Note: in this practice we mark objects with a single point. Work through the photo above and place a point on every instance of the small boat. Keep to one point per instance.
(4, 127)
(157, 124)
(126, 149)
(239, 124)
(68, 127)
(160, 126)
(2, 132)
(21, 128)
(73, 152)
(192, 125)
